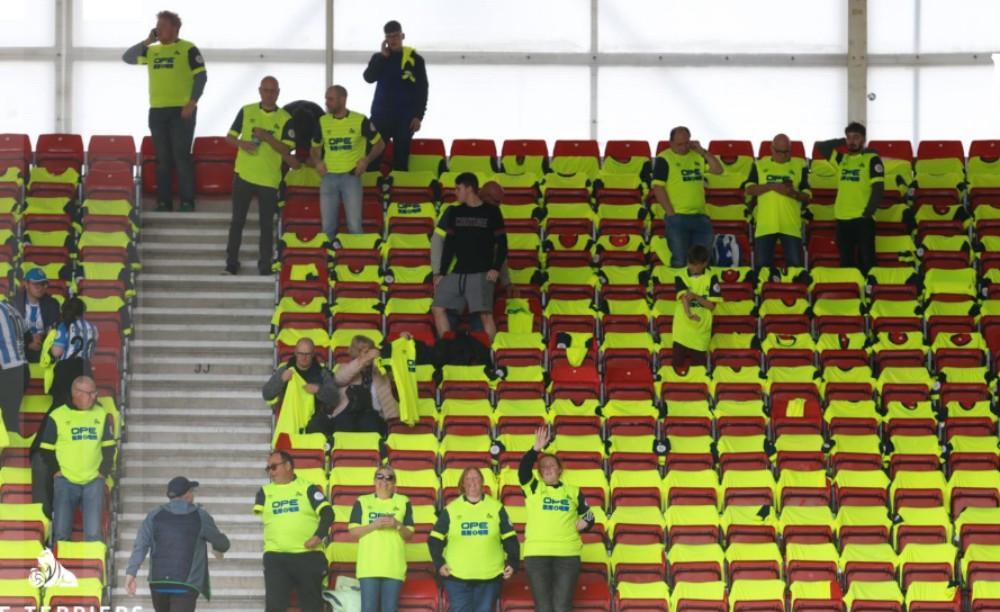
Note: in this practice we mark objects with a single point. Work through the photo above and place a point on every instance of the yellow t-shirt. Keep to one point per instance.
(344, 140)
(263, 166)
(474, 535)
(683, 177)
(171, 72)
(290, 513)
(381, 553)
(552, 513)
(857, 174)
(777, 213)
(695, 335)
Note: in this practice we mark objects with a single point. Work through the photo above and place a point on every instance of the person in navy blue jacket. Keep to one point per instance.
(400, 98)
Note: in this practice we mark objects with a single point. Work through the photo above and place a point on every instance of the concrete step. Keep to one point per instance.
(211, 400)
(257, 366)
(213, 233)
(209, 436)
(187, 250)
(203, 316)
(195, 381)
(210, 298)
(219, 451)
(184, 347)
(198, 218)
(212, 267)
(207, 485)
(156, 465)
(256, 330)
(207, 282)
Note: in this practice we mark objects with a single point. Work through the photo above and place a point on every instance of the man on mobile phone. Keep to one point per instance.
(400, 98)
(177, 79)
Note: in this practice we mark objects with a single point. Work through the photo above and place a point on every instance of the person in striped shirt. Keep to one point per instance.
(13, 365)
(72, 349)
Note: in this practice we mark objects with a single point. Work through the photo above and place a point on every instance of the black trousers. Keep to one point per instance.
(553, 582)
(398, 131)
(172, 139)
(267, 201)
(304, 573)
(174, 602)
(856, 243)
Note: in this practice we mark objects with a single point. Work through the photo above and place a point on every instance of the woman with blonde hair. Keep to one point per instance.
(474, 547)
(366, 400)
(382, 523)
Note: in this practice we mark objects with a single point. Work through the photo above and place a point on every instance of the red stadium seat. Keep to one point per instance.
(213, 165)
(56, 152)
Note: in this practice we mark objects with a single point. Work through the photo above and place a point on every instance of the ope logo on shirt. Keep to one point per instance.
(556, 505)
(79, 434)
(284, 506)
(848, 174)
(475, 528)
(372, 516)
(690, 174)
(163, 63)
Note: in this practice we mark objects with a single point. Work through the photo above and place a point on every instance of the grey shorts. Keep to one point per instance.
(456, 291)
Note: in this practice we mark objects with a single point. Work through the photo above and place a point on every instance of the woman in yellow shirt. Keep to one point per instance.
(382, 522)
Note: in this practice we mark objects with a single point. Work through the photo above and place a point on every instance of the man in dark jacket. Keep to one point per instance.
(400, 93)
(319, 378)
(175, 535)
(39, 310)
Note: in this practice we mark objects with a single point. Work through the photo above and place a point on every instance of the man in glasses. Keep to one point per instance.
(318, 379)
(39, 310)
(779, 182)
(297, 520)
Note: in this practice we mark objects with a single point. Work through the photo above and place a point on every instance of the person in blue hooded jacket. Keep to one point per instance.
(400, 98)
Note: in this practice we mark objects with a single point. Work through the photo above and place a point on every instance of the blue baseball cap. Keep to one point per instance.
(179, 486)
(36, 275)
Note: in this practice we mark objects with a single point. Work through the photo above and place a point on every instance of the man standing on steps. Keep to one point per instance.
(264, 137)
(297, 520)
(176, 533)
(177, 79)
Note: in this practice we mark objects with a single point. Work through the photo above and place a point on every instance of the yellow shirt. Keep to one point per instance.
(171, 72)
(344, 140)
(552, 513)
(290, 513)
(776, 213)
(263, 166)
(857, 174)
(683, 177)
(382, 552)
(695, 335)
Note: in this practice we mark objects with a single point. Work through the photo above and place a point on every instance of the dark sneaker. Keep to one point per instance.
(264, 271)
(164, 207)
(232, 269)
(186, 207)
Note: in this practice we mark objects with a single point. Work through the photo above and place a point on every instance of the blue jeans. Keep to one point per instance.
(685, 231)
(380, 594)
(66, 497)
(472, 595)
(763, 250)
(172, 138)
(334, 188)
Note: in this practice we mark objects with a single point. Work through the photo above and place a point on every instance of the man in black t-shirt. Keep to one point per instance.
(475, 248)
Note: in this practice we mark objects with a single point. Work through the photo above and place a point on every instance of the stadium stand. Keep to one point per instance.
(840, 450)
(75, 216)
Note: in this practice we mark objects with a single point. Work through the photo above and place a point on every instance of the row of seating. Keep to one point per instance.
(82, 233)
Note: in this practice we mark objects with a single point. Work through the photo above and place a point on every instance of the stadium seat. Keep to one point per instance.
(213, 160)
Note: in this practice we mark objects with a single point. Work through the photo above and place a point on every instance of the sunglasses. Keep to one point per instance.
(781, 150)
(273, 466)
(387, 477)
(298, 354)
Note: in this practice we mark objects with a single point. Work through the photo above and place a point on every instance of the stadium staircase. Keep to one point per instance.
(200, 356)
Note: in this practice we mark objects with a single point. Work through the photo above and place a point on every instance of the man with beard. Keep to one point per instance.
(859, 192)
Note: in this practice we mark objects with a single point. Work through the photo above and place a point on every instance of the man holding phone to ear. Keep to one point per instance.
(177, 79)
(400, 98)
